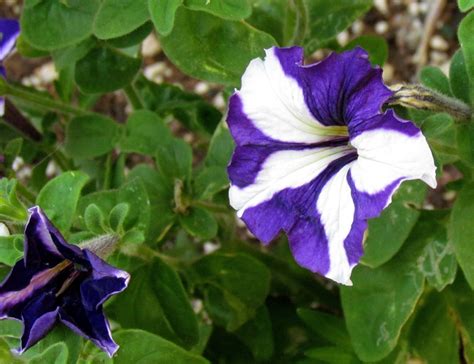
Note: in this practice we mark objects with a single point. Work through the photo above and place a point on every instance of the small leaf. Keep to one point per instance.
(465, 142)
(462, 230)
(459, 80)
(105, 69)
(118, 215)
(465, 5)
(163, 13)
(50, 24)
(141, 346)
(9, 253)
(232, 291)
(221, 147)
(210, 181)
(94, 219)
(10, 206)
(465, 31)
(158, 287)
(144, 132)
(133, 38)
(133, 237)
(59, 197)
(116, 18)
(91, 136)
(55, 354)
(375, 45)
(435, 79)
(174, 160)
(388, 232)
(215, 58)
(199, 223)
(226, 9)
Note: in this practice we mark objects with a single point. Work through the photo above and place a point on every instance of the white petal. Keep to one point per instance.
(388, 155)
(336, 208)
(274, 102)
(284, 169)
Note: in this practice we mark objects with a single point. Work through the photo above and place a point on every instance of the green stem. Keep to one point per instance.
(301, 22)
(133, 97)
(40, 100)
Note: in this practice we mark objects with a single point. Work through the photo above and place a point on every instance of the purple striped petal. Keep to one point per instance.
(315, 155)
(9, 32)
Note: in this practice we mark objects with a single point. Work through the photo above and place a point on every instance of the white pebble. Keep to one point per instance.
(381, 5)
(209, 247)
(219, 101)
(151, 46)
(438, 57)
(358, 27)
(155, 71)
(413, 8)
(4, 230)
(51, 169)
(388, 72)
(47, 73)
(201, 88)
(381, 27)
(439, 43)
(18, 162)
(343, 38)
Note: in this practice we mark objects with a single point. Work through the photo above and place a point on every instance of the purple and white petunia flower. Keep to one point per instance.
(59, 282)
(316, 156)
(9, 32)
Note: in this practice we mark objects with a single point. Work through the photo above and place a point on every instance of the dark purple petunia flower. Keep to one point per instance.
(315, 155)
(56, 281)
(9, 31)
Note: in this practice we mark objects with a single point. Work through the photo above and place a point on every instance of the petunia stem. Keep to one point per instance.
(133, 97)
(40, 100)
(419, 97)
(211, 206)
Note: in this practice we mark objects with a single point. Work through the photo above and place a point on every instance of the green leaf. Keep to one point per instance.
(9, 252)
(174, 160)
(91, 135)
(435, 79)
(232, 292)
(459, 80)
(50, 24)
(199, 223)
(465, 142)
(433, 334)
(461, 300)
(133, 193)
(144, 132)
(162, 14)
(465, 31)
(271, 17)
(375, 45)
(438, 263)
(221, 147)
(257, 335)
(157, 302)
(161, 199)
(139, 346)
(465, 5)
(94, 219)
(6, 355)
(387, 233)
(59, 197)
(332, 354)
(221, 49)
(326, 326)
(133, 38)
(462, 230)
(440, 131)
(210, 181)
(55, 354)
(10, 206)
(381, 300)
(118, 215)
(120, 17)
(226, 9)
(328, 19)
(190, 109)
(105, 69)
(65, 57)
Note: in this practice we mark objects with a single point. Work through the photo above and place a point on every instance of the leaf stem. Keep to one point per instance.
(40, 100)
(301, 24)
(210, 206)
(133, 97)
